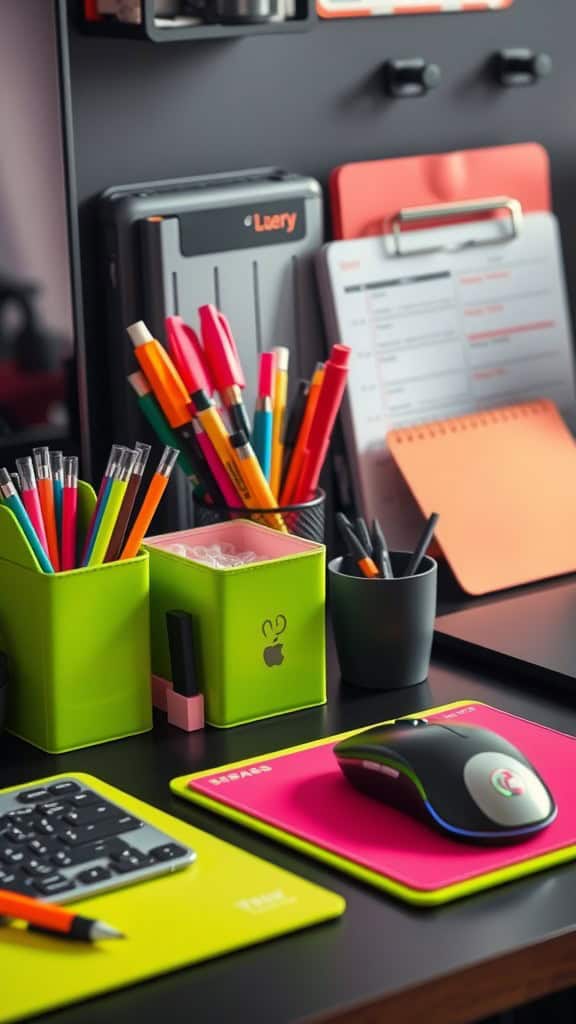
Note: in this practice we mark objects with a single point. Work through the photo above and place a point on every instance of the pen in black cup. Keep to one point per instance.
(292, 426)
(422, 545)
(356, 550)
(380, 551)
(363, 535)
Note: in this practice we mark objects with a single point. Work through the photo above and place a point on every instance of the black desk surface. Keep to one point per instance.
(382, 960)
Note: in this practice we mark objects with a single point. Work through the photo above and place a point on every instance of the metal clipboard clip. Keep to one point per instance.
(418, 214)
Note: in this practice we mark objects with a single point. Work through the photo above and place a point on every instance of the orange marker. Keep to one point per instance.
(363, 559)
(161, 374)
(295, 466)
(54, 919)
(46, 495)
(156, 489)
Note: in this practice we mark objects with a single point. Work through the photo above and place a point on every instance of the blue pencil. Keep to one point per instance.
(12, 500)
(263, 416)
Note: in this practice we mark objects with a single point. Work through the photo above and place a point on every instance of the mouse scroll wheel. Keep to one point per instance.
(419, 721)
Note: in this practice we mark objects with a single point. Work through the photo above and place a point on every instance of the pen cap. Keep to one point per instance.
(142, 455)
(42, 463)
(71, 471)
(167, 461)
(266, 374)
(125, 464)
(186, 351)
(57, 465)
(181, 644)
(113, 459)
(26, 473)
(220, 349)
(7, 488)
(282, 358)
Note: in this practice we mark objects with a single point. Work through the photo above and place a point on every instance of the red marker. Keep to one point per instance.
(188, 355)
(329, 399)
(69, 512)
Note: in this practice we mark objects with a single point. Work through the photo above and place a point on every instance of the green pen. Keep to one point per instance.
(153, 413)
(122, 473)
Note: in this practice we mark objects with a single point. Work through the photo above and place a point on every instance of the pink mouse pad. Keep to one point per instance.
(303, 795)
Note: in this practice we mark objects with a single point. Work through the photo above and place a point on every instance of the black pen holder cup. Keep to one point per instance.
(304, 519)
(383, 628)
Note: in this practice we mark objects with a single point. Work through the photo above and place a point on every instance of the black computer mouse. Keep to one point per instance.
(468, 782)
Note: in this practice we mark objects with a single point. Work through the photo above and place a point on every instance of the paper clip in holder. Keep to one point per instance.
(501, 229)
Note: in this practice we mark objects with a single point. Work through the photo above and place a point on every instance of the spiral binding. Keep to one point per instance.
(487, 418)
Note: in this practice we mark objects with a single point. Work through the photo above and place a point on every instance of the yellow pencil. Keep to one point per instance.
(261, 495)
(212, 423)
(279, 411)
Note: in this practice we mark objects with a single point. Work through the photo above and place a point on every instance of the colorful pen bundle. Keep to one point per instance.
(191, 394)
(43, 496)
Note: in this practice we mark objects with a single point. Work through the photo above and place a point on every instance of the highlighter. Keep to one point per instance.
(184, 702)
(221, 354)
(172, 396)
(9, 496)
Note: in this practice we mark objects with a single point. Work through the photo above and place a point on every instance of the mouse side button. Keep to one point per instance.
(508, 792)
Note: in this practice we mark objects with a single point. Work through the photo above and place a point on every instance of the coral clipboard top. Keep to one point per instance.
(299, 797)
(365, 197)
(361, 9)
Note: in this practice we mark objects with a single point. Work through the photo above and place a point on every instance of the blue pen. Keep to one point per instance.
(10, 497)
(57, 463)
(103, 495)
(263, 416)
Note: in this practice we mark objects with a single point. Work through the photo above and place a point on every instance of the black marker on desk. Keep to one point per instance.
(184, 702)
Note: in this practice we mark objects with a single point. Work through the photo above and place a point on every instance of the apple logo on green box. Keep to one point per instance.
(273, 654)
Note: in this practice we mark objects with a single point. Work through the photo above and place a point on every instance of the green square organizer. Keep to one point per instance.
(77, 644)
(259, 628)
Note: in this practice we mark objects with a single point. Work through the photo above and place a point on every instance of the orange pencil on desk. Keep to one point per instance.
(157, 486)
(295, 466)
(54, 919)
(46, 495)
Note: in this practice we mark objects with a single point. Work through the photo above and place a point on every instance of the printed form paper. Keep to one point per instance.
(437, 335)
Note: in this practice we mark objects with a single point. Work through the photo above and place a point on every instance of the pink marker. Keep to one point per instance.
(69, 512)
(221, 355)
(220, 475)
(188, 355)
(31, 498)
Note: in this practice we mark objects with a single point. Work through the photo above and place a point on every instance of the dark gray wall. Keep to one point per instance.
(310, 102)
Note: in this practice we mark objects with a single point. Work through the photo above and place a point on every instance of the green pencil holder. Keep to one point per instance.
(258, 628)
(77, 644)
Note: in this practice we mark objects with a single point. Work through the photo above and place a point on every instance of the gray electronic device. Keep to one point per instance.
(262, 280)
(249, 251)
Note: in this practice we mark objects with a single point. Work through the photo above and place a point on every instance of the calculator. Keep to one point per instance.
(63, 841)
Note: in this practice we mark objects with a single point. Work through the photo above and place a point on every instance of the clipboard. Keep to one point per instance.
(443, 323)
(365, 197)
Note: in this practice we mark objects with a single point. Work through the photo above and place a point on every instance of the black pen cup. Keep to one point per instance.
(383, 628)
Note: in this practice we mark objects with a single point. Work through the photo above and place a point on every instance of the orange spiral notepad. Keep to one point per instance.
(504, 483)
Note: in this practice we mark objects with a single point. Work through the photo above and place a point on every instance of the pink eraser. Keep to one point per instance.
(266, 374)
(185, 712)
(160, 688)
